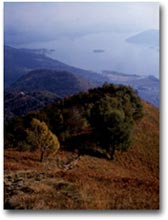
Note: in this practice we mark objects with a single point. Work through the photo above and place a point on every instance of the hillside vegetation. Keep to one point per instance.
(68, 180)
(98, 121)
(108, 156)
(20, 103)
(39, 87)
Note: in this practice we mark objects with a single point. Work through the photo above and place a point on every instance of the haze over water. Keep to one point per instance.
(117, 54)
(87, 35)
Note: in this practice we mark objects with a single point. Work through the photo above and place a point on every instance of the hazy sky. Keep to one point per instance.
(26, 22)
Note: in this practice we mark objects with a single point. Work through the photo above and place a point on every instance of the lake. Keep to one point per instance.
(103, 51)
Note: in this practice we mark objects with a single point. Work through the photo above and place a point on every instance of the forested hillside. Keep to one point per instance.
(98, 121)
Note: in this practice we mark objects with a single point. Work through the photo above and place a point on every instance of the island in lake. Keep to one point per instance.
(98, 51)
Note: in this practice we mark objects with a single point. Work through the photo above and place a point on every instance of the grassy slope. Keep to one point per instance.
(131, 181)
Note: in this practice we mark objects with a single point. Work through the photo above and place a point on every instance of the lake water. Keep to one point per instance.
(103, 51)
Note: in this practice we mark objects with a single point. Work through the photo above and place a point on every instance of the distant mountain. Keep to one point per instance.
(148, 87)
(18, 62)
(149, 37)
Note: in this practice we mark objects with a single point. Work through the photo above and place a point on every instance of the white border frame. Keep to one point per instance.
(118, 214)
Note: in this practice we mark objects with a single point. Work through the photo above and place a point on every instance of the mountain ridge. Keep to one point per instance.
(18, 62)
(52, 81)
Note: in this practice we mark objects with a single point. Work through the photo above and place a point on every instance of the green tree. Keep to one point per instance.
(74, 121)
(41, 138)
(112, 127)
(117, 131)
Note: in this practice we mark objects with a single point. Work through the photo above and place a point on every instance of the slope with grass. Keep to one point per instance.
(70, 181)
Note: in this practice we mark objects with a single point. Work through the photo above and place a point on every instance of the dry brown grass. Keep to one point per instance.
(131, 181)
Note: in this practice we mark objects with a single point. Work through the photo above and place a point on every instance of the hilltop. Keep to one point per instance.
(70, 181)
(108, 156)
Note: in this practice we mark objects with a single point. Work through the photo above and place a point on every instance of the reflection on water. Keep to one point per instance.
(116, 54)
